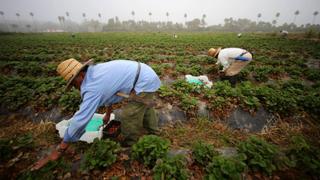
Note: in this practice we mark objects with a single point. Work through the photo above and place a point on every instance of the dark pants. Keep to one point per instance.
(232, 79)
(137, 118)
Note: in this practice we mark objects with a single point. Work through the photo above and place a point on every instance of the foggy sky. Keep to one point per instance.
(215, 10)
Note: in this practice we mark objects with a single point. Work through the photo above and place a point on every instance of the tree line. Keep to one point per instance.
(66, 24)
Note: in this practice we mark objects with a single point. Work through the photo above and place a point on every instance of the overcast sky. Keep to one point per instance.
(215, 10)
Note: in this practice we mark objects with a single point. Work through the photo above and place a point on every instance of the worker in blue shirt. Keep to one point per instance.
(103, 85)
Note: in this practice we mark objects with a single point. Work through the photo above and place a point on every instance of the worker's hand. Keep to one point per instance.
(106, 117)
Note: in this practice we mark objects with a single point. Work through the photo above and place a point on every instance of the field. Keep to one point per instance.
(284, 79)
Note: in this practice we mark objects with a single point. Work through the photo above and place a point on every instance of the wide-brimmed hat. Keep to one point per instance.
(214, 52)
(70, 68)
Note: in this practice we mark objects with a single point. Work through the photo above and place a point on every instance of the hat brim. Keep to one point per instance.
(89, 62)
(217, 52)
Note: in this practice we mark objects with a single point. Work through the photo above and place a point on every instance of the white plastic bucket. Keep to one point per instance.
(87, 136)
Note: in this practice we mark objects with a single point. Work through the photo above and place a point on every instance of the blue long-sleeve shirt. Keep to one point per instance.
(99, 88)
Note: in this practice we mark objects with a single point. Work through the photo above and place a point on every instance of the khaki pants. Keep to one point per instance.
(237, 66)
(137, 118)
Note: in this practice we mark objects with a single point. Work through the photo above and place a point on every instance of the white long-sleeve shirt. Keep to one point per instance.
(227, 56)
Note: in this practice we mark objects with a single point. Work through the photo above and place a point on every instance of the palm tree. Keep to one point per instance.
(61, 21)
(84, 16)
(314, 16)
(274, 22)
(167, 14)
(18, 17)
(32, 15)
(277, 16)
(100, 16)
(296, 13)
(133, 13)
(150, 14)
(185, 18)
(258, 17)
(203, 22)
(4, 19)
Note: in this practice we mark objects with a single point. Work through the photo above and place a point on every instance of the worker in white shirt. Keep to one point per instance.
(233, 61)
(284, 33)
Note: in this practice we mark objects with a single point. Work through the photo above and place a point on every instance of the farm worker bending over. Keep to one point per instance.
(233, 60)
(99, 85)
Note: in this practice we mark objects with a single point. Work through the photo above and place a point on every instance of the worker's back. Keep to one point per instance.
(118, 75)
(230, 52)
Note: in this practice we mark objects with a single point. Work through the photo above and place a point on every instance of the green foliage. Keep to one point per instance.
(24, 141)
(171, 168)
(101, 154)
(247, 94)
(276, 100)
(188, 103)
(305, 156)
(70, 101)
(260, 155)
(203, 153)
(18, 91)
(183, 86)
(194, 70)
(225, 168)
(312, 74)
(8, 147)
(166, 91)
(149, 148)
(218, 103)
(261, 73)
(60, 166)
(223, 88)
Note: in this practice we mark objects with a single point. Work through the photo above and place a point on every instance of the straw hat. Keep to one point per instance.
(69, 69)
(214, 52)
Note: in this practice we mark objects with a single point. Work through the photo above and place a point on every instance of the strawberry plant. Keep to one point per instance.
(185, 87)
(260, 155)
(166, 91)
(203, 153)
(305, 156)
(101, 154)
(149, 148)
(188, 103)
(70, 101)
(171, 168)
(225, 168)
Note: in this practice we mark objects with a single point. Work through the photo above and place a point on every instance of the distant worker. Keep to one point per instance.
(233, 61)
(284, 33)
(105, 84)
